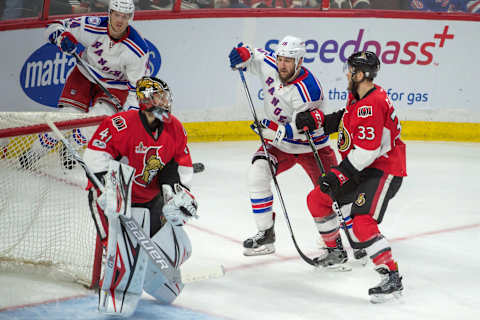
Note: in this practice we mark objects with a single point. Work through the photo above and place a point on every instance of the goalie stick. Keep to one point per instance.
(277, 188)
(132, 227)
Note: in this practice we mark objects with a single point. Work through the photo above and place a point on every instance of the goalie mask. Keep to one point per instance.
(154, 96)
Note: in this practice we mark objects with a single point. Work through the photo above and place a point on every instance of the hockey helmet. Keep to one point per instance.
(154, 95)
(291, 47)
(123, 6)
(365, 61)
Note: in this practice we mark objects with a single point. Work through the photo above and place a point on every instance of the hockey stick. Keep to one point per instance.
(277, 188)
(118, 107)
(132, 227)
(335, 206)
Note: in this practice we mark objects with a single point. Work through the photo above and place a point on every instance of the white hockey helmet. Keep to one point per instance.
(123, 6)
(291, 47)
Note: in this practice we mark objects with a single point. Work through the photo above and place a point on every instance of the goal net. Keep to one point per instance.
(45, 221)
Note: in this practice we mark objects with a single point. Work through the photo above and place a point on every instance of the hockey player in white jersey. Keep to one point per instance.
(114, 52)
(289, 88)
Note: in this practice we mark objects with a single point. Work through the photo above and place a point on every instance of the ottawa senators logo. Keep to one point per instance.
(360, 200)
(152, 165)
(344, 140)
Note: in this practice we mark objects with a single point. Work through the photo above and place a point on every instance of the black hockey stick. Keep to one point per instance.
(272, 171)
(118, 107)
(336, 207)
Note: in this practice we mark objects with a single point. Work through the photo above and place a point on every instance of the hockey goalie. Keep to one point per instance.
(141, 210)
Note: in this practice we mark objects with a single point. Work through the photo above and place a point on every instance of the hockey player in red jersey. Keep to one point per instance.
(154, 143)
(370, 174)
(288, 88)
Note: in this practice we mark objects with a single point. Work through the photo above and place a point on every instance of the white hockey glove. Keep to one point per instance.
(275, 133)
(180, 205)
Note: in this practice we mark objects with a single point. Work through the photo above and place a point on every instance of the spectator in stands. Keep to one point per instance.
(269, 3)
(154, 4)
(350, 4)
(468, 6)
(229, 4)
(15, 9)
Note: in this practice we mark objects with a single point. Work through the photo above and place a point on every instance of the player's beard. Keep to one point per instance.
(353, 87)
(287, 76)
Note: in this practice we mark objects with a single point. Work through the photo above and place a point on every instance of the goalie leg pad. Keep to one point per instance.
(176, 245)
(124, 269)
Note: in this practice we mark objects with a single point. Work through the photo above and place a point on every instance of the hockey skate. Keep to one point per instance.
(389, 287)
(334, 259)
(260, 244)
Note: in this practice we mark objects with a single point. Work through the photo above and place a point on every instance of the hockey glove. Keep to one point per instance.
(312, 119)
(332, 181)
(274, 133)
(180, 204)
(240, 56)
(65, 41)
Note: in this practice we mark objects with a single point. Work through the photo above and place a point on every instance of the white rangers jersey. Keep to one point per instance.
(116, 63)
(283, 101)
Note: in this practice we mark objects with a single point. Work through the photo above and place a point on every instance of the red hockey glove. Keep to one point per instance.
(311, 119)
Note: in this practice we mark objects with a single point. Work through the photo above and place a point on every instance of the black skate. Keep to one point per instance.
(260, 244)
(334, 259)
(390, 287)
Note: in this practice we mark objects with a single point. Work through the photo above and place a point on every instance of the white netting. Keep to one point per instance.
(45, 222)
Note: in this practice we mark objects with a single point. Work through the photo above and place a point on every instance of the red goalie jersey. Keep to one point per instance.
(369, 134)
(126, 136)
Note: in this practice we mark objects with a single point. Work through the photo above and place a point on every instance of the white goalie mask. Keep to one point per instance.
(123, 6)
(291, 47)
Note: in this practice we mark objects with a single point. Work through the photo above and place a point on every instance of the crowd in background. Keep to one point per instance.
(15, 9)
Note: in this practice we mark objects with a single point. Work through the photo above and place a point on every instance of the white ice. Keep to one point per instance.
(432, 224)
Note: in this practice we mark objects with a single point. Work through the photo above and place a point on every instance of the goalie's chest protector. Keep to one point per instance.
(145, 151)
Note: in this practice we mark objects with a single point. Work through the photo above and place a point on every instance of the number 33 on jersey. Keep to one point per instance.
(371, 127)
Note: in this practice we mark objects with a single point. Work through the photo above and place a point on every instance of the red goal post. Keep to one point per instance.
(45, 222)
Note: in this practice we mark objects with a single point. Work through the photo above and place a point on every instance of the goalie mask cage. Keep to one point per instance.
(45, 222)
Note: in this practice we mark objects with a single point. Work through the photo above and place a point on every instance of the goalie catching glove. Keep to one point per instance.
(180, 204)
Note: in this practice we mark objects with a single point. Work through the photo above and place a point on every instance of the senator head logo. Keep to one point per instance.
(152, 165)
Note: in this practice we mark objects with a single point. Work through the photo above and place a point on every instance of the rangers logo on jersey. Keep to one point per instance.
(152, 165)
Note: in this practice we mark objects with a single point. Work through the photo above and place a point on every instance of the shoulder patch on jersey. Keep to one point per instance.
(73, 23)
(93, 21)
(365, 112)
(119, 123)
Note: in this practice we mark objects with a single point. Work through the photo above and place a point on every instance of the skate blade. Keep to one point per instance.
(260, 251)
(383, 298)
(335, 268)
